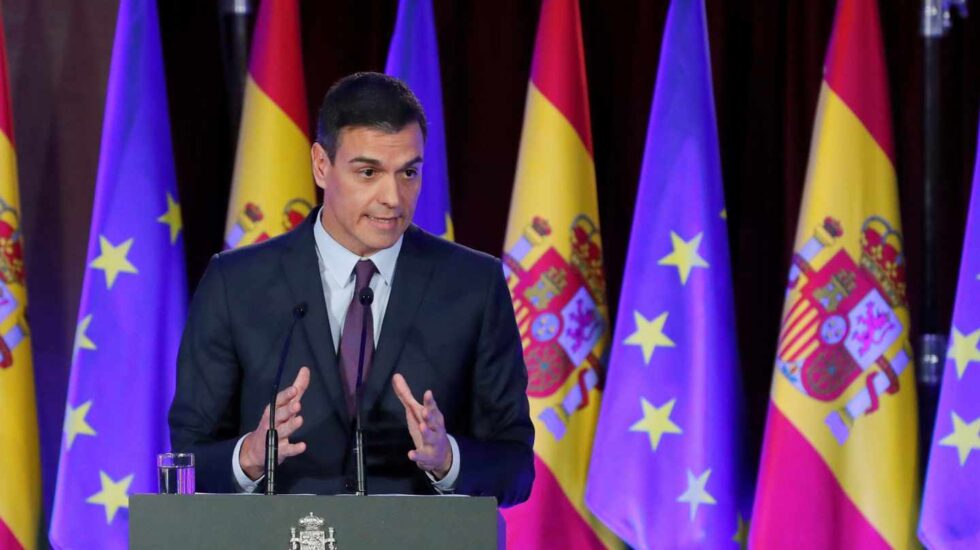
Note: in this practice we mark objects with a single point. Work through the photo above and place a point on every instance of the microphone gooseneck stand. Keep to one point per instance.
(272, 436)
(366, 298)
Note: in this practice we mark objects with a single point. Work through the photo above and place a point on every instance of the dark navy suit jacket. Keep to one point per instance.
(449, 327)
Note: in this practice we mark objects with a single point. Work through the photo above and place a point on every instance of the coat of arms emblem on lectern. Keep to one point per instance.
(312, 536)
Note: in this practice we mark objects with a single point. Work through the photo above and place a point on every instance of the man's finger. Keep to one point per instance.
(435, 423)
(435, 417)
(287, 428)
(430, 436)
(286, 413)
(302, 381)
(291, 449)
(288, 401)
(427, 440)
(431, 413)
(422, 456)
(282, 399)
(284, 396)
(404, 394)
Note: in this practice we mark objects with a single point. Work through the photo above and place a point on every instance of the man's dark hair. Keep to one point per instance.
(371, 100)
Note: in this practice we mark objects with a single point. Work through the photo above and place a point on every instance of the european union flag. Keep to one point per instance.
(414, 57)
(667, 465)
(133, 302)
(951, 501)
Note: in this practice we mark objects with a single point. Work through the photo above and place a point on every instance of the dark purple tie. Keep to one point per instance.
(350, 337)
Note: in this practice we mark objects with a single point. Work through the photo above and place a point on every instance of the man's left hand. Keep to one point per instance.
(428, 428)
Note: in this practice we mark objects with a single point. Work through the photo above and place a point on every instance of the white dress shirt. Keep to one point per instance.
(337, 276)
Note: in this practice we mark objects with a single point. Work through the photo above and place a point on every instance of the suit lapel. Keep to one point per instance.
(302, 273)
(411, 277)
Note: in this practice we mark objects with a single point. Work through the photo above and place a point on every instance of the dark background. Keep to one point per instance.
(766, 55)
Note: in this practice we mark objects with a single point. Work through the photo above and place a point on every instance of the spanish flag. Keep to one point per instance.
(553, 264)
(20, 491)
(840, 460)
(272, 187)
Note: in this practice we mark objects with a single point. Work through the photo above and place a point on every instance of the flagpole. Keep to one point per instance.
(936, 22)
(237, 18)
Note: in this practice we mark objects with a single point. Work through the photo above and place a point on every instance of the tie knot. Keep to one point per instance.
(363, 272)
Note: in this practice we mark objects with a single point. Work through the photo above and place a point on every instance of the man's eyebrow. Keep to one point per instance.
(413, 162)
(377, 163)
(365, 160)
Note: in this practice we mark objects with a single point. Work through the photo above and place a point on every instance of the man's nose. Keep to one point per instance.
(388, 191)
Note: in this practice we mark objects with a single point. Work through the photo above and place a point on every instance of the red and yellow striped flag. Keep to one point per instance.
(272, 188)
(20, 490)
(840, 459)
(553, 263)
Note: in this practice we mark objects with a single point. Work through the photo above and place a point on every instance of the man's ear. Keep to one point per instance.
(321, 165)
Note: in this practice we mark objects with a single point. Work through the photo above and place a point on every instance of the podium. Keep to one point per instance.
(310, 522)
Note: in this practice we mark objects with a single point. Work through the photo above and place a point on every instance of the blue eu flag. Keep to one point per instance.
(951, 500)
(133, 302)
(414, 58)
(667, 466)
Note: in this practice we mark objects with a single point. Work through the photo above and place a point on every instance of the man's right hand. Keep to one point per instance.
(252, 454)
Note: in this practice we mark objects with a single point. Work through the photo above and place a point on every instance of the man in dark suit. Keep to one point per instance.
(441, 320)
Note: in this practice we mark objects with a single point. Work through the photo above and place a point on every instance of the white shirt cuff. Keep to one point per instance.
(242, 482)
(448, 483)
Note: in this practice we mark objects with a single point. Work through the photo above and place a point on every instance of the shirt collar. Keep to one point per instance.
(339, 261)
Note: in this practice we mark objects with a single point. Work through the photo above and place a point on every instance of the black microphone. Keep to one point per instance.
(272, 436)
(365, 297)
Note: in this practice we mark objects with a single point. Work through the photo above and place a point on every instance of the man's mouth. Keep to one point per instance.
(384, 221)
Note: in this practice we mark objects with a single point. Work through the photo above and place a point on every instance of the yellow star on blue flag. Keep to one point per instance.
(82, 340)
(172, 218)
(696, 493)
(964, 349)
(965, 437)
(75, 422)
(656, 422)
(684, 256)
(114, 495)
(113, 260)
(649, 334)
(741, 536)
(450, 232)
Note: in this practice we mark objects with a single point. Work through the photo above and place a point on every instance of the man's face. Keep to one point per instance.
(370, 189)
